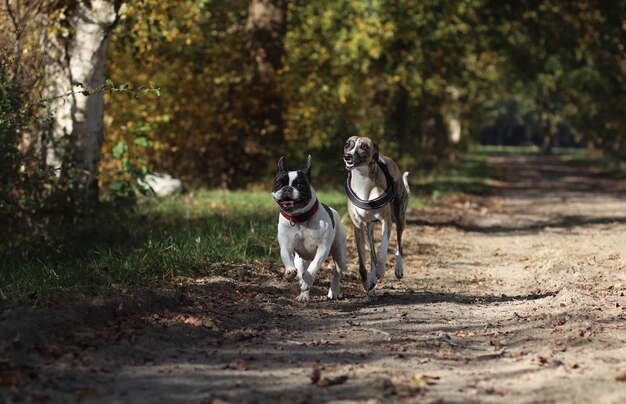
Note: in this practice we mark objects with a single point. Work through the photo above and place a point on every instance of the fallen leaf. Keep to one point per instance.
(323, 312)
(326, 382)
(316, 375)
(87, 393)
(424, 380)
(239, 364)
(417, 381)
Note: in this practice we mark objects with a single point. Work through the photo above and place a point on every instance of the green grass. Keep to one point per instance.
(471, 174)
(572, 156)
(581, 157)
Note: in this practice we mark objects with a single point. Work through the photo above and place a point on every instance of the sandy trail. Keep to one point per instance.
(516, 296)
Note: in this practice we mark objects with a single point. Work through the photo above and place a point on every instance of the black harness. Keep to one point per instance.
(330, 213)
(379, 202)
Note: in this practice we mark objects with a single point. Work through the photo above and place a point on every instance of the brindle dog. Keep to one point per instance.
(376, 192)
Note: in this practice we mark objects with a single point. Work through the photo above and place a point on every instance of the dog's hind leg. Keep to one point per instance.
(373, 275)
(399, 210)
(399, 259)
(338, 252)
(359, 239)
(381, 266)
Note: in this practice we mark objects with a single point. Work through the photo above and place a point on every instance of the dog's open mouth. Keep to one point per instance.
(349, 162)
(287, 203)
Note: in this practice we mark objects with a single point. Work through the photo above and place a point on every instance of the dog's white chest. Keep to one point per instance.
(306, 239)
(365, 216)
(306, 246)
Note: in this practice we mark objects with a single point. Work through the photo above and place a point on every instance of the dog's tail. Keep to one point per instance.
(405, 180)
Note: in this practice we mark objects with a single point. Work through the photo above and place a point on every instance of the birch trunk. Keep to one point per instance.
(76, 133)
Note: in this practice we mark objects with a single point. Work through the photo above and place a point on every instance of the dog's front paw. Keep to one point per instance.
(303, 297)
(290, 273)
(334, 294)
(380, 270)
(369, 286)
(399, 267)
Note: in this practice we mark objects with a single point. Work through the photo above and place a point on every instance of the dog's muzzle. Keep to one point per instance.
(286, 203)
(287, 199)
(349, 161)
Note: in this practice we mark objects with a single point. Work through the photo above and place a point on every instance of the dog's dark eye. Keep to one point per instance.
(280, 181)
(348, 144)
(363, 146)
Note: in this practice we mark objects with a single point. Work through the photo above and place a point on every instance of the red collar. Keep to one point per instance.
(301, 217)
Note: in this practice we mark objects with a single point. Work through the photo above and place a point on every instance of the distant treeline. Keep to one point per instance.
(246, 81)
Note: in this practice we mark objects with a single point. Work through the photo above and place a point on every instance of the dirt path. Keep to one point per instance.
(516, 296)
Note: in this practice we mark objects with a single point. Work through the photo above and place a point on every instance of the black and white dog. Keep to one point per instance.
(308, 231)
(376, 193)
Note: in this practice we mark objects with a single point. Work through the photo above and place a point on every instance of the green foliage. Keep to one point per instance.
(37, 205)
(21, 190)
(395, 71)
(375, 68)
(11, 120)
(565, 58)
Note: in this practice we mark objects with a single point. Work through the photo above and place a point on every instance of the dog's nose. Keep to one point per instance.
(347, 156)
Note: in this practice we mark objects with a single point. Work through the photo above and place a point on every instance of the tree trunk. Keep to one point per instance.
(266, 27)
(548, 137)
(76, 132)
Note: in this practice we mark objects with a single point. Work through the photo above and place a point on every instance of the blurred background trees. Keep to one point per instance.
(424, 78)
(243, 81)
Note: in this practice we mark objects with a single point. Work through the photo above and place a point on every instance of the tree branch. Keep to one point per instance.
(16, 27)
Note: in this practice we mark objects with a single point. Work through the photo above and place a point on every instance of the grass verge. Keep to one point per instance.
(472, 173)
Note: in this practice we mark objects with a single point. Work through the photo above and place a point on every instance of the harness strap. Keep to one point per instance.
(330, 213)
(379, 202)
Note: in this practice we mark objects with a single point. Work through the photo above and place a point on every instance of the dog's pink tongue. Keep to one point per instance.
(286, 204)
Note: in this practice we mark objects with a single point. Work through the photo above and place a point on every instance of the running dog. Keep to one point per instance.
(306, 233)
(376, 192)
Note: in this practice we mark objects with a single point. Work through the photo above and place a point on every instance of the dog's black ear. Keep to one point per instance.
(282, 164)
(307, 168)
(376, 152)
